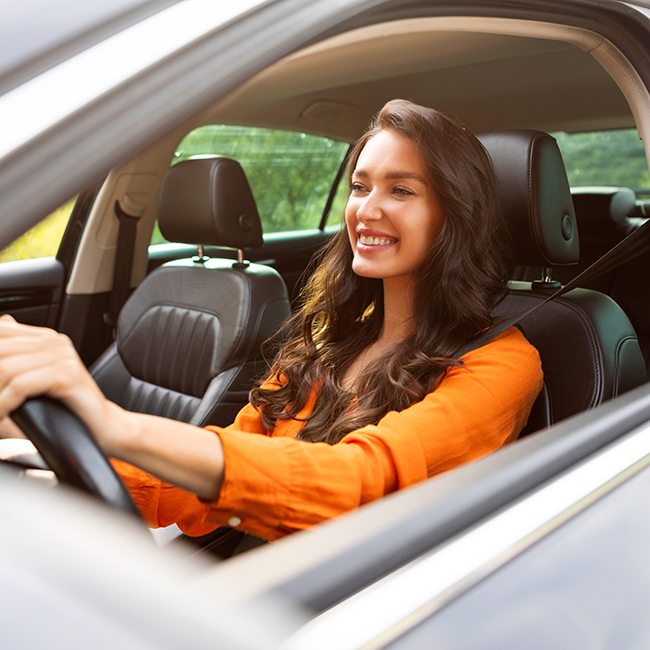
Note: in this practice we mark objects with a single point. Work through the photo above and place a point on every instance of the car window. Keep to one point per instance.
(337, 209)
(602, 158)
(43, 239)
(290, 173)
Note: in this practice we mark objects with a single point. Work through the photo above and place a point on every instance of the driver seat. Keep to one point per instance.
(188, 340)
(588, 347)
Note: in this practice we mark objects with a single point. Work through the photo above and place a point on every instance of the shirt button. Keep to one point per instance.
(233, 522)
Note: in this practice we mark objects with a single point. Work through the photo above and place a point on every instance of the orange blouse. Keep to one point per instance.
(275, 484)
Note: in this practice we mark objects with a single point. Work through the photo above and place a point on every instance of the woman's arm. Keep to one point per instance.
(178, 453)
(274, 485)
(36, 361)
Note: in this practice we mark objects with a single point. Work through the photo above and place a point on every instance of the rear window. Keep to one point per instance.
(291, 174)
(605, 158)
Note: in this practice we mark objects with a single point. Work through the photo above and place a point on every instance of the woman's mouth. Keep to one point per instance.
(375, 241)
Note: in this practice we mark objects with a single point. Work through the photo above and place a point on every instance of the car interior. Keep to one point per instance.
(187, 341)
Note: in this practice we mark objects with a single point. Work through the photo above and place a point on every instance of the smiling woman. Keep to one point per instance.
(370, 365)
(388, 331)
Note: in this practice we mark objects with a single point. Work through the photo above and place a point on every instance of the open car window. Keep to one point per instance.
(605, 158)
(43, 240)
(291, 174)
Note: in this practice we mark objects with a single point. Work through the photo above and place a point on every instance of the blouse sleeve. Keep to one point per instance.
(162, 504)
(274, 486)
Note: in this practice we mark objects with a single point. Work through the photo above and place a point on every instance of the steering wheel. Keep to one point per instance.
(71, 452)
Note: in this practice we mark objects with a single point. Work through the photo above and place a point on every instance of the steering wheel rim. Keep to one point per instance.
(71, 452)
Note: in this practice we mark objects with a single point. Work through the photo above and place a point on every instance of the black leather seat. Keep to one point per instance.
(602, 214)
(188, 339)
(588, 347)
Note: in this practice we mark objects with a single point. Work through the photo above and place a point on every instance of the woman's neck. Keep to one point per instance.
(398, 310)
(398, 325)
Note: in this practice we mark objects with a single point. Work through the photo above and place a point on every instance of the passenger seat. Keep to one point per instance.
(189, 337)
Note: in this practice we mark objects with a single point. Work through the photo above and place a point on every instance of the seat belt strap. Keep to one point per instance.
(635, 244)
(123, 264)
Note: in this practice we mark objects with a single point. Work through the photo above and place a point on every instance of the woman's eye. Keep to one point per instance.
(403, 191)
(356, 187)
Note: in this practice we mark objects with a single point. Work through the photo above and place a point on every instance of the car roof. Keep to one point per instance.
(526, 75)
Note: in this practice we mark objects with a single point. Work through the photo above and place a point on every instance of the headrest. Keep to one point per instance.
(535, 197)
(208, 201)
(603, 206)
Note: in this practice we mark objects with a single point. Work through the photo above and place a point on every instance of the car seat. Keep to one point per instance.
(589, 350)
(188, 339)
(603, 218)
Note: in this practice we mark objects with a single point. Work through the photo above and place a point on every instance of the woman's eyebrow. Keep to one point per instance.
(401, 175)
(396, 175)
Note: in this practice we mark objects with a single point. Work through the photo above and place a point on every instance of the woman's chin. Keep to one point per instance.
(367, 270)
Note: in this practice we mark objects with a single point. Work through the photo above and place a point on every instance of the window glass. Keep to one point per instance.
(337, 210)
(290, 173)
(602, 158)
(43, 239)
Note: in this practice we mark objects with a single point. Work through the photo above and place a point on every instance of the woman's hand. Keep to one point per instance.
(38, 361)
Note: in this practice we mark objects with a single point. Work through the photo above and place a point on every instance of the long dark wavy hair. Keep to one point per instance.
(462, 279)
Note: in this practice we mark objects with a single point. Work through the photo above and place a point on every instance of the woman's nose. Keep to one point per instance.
(370, 208)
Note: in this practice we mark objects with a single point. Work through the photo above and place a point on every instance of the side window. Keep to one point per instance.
(290, 173)
(602, 158)
(43, 239)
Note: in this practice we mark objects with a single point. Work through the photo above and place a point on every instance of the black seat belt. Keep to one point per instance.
(123, 264)
(635, 244)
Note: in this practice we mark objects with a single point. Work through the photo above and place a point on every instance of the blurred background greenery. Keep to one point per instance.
(43, 239)
(614, 158)
(291, 175)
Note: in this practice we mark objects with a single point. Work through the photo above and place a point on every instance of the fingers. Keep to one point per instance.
(39, 361)
(35, 361)
(8, 429)
(29, 383)
(9, 325)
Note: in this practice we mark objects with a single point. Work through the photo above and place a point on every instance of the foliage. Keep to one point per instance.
(290, 173)
(43, 239)
(613, 158)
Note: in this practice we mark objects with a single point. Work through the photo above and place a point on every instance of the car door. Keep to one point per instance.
(34, 271)
(33, 268)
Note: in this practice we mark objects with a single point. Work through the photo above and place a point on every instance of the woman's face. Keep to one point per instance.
(393, 213)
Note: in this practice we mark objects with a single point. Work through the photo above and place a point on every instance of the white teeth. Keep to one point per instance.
(373, 241)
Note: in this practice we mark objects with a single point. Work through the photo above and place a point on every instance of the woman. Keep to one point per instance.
(366, 396)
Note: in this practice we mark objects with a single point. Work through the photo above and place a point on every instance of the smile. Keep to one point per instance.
(375, 241)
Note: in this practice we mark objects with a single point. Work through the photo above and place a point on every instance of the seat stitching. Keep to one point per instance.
(184, 381)
(166, 326)
(176, 354)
